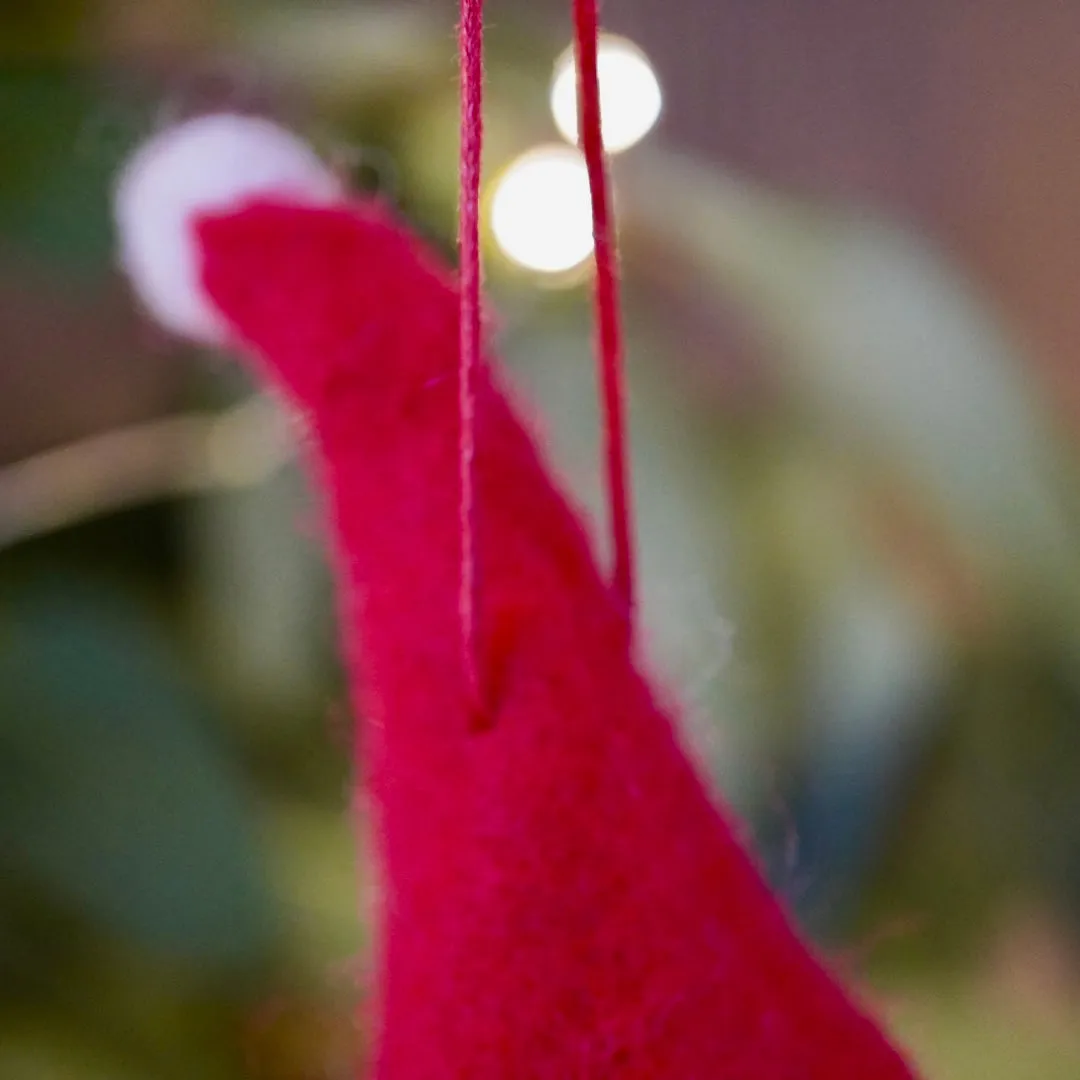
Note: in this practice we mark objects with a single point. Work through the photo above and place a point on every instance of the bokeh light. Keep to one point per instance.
(541, 212)
(630, 95)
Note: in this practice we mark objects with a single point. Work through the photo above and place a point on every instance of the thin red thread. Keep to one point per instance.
(607, 304)
(471, 50)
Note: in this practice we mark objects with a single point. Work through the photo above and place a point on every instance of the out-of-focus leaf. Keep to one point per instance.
(115, 797)
(874, 678)
(885, 344)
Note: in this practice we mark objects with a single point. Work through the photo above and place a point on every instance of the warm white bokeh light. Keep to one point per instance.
(630, 96)
(541, 210)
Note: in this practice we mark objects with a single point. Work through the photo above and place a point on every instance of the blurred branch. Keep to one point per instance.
(175, 456)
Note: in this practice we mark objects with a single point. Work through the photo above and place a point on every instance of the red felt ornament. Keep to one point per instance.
(562, 898)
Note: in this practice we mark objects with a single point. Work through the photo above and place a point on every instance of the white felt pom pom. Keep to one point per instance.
(210, 164)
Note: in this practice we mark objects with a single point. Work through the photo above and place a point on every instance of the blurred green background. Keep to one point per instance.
(852, 254)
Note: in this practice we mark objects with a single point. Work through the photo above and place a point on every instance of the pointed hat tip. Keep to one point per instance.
(210, 164)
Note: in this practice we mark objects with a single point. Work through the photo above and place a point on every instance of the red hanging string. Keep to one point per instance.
(608, 319)
(609, 328)
(471, 50)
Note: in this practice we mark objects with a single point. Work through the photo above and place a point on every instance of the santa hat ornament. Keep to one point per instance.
(562, 899)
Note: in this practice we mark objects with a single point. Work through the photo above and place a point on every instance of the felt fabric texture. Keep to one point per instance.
(562, 898)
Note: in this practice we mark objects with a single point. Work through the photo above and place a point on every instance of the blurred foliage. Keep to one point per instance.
(50, 29)
(114, 798)
(58, 162)
(859, 562)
